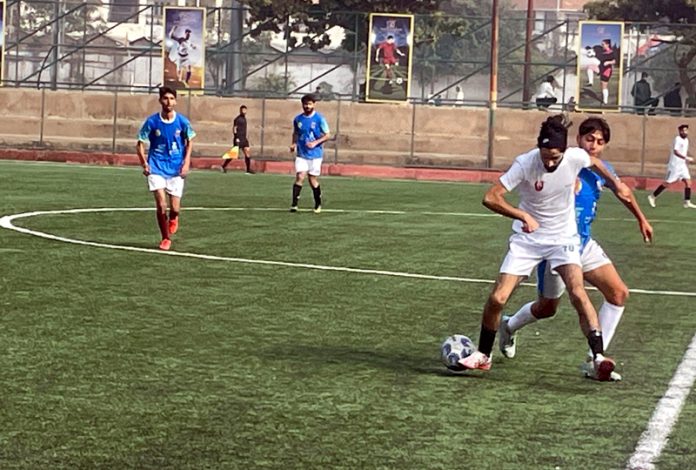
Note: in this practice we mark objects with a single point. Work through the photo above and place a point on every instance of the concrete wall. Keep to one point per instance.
(367, 133)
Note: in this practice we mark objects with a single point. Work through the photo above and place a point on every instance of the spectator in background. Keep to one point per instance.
(572, 105)
(459, 99)
(673, 100)
(642, 95)
(546, 94)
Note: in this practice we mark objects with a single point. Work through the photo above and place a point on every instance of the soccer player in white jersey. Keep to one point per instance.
(593, 135)
(545, 229)
(183, 51)
(677, 170)
(168, 161)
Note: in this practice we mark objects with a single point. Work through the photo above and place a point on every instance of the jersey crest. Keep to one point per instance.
(539, 185)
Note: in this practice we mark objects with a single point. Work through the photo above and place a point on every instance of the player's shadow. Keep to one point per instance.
(395, 362)
(590, 94)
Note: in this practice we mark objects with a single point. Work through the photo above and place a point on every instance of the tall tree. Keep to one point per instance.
(676, 17)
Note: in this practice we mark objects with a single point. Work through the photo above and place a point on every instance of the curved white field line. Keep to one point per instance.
(7, 222)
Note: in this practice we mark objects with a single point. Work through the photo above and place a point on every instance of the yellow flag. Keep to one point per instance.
(231, 154)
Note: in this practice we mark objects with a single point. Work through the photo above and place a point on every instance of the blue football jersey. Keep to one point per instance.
(588, 190)
(308, 129)
(167, 141)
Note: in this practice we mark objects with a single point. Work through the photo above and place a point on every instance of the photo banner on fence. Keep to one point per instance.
(183, 50)
(600, 66)
(2, 42)
(389, 61)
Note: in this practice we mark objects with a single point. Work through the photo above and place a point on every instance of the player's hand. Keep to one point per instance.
(689, 159)
(529, 224)
(236, 141)
(312, 144)
(184, 171)
(146, 169)
(646, 230)
(293, 147)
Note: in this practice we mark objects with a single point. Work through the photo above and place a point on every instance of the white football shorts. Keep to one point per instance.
(677, 173)
(183, 61)
(174, 186)
(524, 255)
(308, 165)
(550, 284)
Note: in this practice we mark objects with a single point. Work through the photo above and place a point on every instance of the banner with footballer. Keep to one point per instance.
(389, 57)
(600, 66)
(183, 48)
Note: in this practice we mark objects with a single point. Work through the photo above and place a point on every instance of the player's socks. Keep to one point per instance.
(687, 194)
(596, 342)
(609, 317)
(521, 318)
(605, 96)
(486, 340)
(590, 77)
(247, 162)
(163, 224)
(317, 197)
(296, 189)
(659, 190)
(188, 76)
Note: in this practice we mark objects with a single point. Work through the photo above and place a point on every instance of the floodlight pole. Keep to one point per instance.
(528, 51)
(493, 90)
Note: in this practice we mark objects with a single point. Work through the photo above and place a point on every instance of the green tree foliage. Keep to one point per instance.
(675, 17)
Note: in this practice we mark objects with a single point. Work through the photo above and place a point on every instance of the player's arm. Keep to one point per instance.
(293, 145)
(324, 129)
(644, 226)
(190, 134)
(494, 200)
(379, 49)
(143, 136)
(680, 155)
(620, 189)
(234, 132)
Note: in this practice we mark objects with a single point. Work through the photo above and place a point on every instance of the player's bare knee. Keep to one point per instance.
(498, 299)
(618, 296)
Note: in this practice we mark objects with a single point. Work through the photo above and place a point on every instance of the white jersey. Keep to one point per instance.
(548, 197)
(682, 146)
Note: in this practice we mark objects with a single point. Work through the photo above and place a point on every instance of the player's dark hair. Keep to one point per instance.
(683, 126)
(309, 98)
(390, 37)
(242, 107)
(553, 133)
(165, 89)
(594, 124)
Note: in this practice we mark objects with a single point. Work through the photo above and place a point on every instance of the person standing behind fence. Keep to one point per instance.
(310, 131)
(673, 100)
(241, 140)
(677, 170)
(168, 160)
(642, 95)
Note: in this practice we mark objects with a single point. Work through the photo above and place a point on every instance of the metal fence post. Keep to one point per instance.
(113, 129)
(338, 127)
(263, 123)
(642, 147)
(43, 114)
(413, 130)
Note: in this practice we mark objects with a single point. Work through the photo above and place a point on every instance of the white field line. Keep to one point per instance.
(665, 416)
(7, 222)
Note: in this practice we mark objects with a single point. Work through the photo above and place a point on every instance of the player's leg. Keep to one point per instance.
(550, 288)
(162, 222)
(502, 290)
(615, 292)
(573, 278)
(188, 74)
(314, 172)
(247, 158)
(301, 169)
(175, 189)
(668, 180)
(687, 193)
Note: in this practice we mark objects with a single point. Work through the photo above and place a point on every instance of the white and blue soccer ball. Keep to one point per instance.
(399, 80)
(453, 349)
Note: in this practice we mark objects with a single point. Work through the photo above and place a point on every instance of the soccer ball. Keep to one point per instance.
(399, 81)
(453, 349)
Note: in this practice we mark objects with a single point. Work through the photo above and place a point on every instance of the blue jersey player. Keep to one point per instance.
(309, 132)
(168, 160)
(598, 270)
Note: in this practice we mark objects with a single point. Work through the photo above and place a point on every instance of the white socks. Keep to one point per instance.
(521, 318)
(590, 76)
(605, 96)
(609, 318)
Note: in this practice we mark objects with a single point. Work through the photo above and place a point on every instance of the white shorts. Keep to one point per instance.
(550, 285)
(678, 173)
(173, 186)
(183, 61)
(524, 255)
(308, 165)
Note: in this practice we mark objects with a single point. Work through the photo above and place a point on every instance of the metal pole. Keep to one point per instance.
(493, 91)
(56, 40)
(356, 83)
(17, 29)
(413, 130)
(528, 51)
(263, 122)
(565, 61)
(113, 126)
(338, 127)
(43, 114)
(287, 49)
(84, 40)
(642, 147)
(149, 55)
